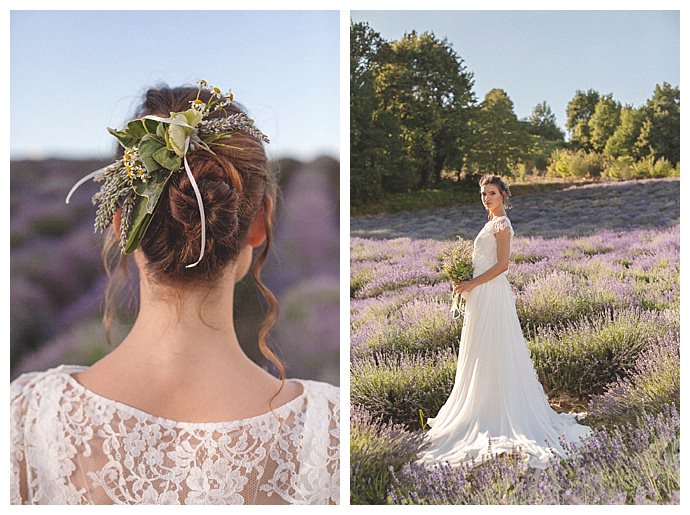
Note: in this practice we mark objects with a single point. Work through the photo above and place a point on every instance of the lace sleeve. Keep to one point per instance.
(18, 405)
(500, 223)
(319, 478)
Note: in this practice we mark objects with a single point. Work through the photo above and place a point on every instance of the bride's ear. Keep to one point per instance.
(257, 230)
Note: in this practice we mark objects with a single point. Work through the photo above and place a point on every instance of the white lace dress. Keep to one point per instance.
(72, 446)
(497, 403)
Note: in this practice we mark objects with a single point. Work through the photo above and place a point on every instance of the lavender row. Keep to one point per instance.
(631, 464)
(556, 281)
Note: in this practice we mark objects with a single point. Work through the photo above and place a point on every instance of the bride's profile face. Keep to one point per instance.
(491, 196)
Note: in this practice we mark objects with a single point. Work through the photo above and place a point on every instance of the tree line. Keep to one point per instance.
(415, 122)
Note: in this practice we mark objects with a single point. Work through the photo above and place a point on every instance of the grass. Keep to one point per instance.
(448, 194)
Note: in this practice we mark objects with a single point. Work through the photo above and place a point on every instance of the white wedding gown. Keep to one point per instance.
(497, 404)
(70, 445)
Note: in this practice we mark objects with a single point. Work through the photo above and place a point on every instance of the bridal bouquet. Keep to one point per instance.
(456, 266)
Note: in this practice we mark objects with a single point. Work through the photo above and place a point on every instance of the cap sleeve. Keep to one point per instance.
(319, 456)
(500, 223)
(20, 391)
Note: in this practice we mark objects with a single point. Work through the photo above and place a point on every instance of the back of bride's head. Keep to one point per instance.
(234, 184)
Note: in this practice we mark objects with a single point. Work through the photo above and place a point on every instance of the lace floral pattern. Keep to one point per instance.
(72, 446)
(484, 251)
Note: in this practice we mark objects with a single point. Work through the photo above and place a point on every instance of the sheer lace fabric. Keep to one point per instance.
(497, 404)
(72, 446)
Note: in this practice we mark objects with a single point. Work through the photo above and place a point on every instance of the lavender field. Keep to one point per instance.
(58, 283)
(599, 306)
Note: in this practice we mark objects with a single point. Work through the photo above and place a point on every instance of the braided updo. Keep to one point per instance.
(234, 184)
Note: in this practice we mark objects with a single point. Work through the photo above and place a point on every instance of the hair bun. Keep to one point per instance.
(221, 209)
(232, 182)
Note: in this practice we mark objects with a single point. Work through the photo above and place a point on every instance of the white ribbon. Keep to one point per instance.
(456, 308)
(202, 215)
(84, 179)
(199, 201)
(171, 121)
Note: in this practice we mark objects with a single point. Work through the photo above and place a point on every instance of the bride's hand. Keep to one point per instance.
(463, 287)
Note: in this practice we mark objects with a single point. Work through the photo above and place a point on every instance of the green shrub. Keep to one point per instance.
(651, 387)
(583, 357)
(397, 387)
(374, 447)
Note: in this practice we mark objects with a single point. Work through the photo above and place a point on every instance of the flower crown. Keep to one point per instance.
(155, 148)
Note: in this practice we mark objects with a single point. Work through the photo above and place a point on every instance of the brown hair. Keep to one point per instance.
(234, 183)
(502, 187)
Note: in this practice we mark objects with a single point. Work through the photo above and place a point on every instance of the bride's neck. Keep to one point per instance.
(177, 325)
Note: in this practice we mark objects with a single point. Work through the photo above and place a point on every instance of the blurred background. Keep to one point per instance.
(74, 73)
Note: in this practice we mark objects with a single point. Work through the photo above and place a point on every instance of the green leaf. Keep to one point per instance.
(149, 145)
(160, 131)
(135, 131)
(152, 188)
(141, 220)
(140, 127)
(124, 137)
(149, 194)
(167, 159)
(151, 126)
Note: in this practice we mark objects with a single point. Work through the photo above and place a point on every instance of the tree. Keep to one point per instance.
(542, 123)
(500, 140)
(660, 132)
(622, 141)
(377, 159)
(580, 109)
(425, 86)
(603, 122)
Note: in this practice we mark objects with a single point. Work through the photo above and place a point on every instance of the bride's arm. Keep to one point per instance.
(503, 258)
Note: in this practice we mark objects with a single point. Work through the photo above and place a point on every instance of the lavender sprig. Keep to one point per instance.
(232, 123)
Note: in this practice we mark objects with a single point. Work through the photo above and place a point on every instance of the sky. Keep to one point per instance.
(547, 56)
(74, 73)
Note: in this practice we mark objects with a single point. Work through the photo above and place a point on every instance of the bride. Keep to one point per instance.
(497, 404)
(178, 413)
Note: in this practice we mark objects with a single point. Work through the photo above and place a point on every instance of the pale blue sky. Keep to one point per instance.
(73, 73)
(548, 55)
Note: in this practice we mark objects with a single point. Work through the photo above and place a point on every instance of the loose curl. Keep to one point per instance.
(502, 187)
(235, 186)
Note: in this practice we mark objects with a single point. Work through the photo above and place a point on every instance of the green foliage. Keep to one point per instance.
(413, 327)
(584, 356)
(625, 167)
(578, 164)
(622, 141)
(425, 86)
(660, 132)
(653, 384)
(409, 109)
(370, 136)
(374, 447)
(399, 386)
(579, 111)
(542, 123)
(604, 121)
(415, 123)
(500, 140)
(456, 261)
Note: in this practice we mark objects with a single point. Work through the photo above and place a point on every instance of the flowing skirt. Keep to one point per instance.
(497, 404)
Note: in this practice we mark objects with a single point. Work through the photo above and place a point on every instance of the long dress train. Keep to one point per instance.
(496, 395)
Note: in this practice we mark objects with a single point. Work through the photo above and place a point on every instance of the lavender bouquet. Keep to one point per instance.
(456, 266)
